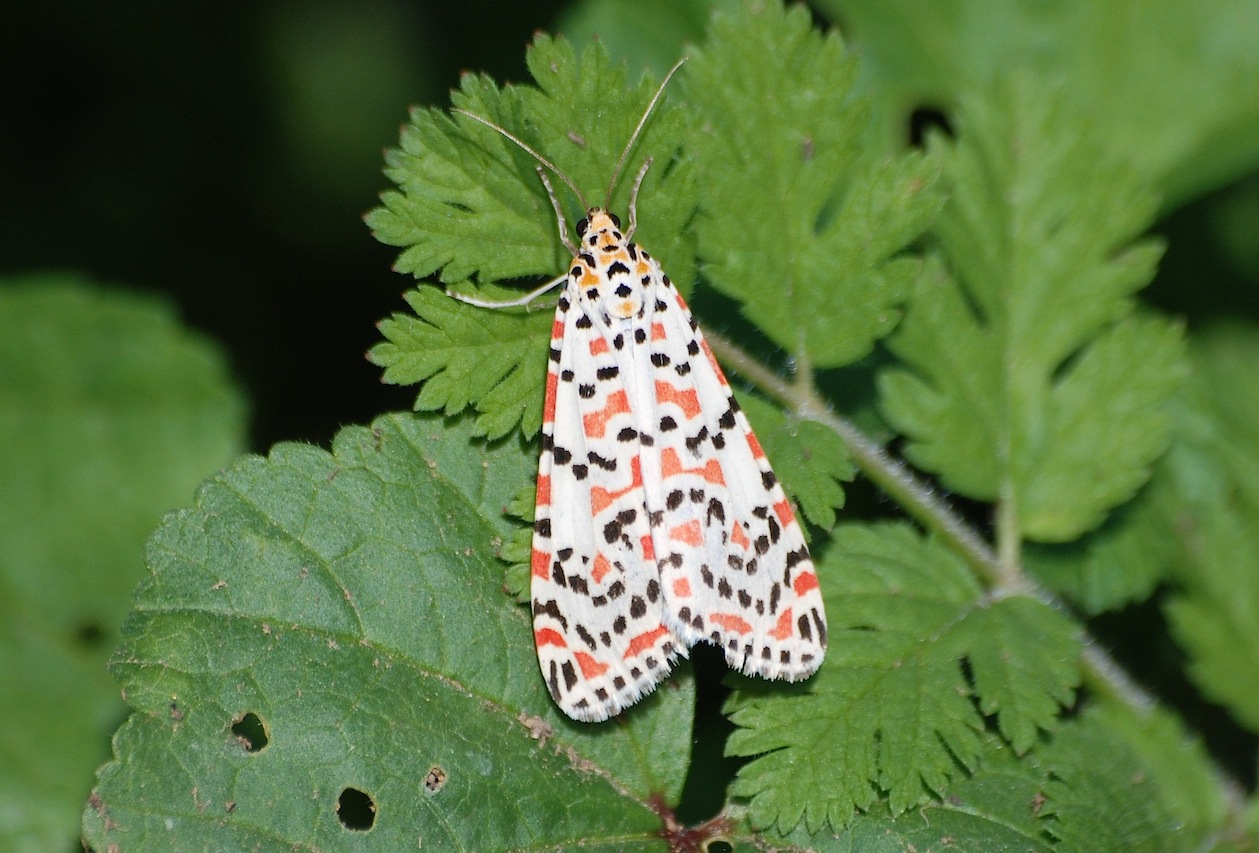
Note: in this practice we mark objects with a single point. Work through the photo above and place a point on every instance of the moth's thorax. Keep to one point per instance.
(609, 272)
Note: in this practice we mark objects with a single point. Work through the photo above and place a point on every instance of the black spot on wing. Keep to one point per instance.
(552, 610)
(600, 462)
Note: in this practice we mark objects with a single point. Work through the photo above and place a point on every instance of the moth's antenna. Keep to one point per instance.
(616, 173)
(525, 147)
(620, 163)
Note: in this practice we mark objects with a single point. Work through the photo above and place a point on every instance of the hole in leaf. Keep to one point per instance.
(90, 635)
(925, 119)
(356, 810)
(252, 732)
(435, 779)
(718, 845)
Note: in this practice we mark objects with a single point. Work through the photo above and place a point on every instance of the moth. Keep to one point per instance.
(659, 522)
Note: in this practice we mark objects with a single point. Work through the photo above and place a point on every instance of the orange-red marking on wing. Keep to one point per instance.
(549, 637)
(671, 465)
(688, 533)
(596, 423)
(731, 622)
(601, 498)
(687, 400)
(784, 629)
(590, 668)
(645, 641)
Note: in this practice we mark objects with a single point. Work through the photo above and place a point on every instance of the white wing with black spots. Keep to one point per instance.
(659, 520)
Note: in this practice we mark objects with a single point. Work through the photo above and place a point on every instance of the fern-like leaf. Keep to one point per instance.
(1027, 375)
(893, 710)
(469, 204)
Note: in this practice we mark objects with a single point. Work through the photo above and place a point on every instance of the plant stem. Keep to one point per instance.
(889, 474)
(1101, 672)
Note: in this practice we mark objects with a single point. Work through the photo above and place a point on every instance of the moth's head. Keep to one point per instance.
(599, 221)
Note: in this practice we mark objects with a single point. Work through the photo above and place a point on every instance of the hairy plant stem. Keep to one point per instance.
(1003, 573)
(1102, 674)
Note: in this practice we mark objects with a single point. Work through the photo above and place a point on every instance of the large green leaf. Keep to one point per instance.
(1028, 377)
(348, 607)
(809, 243)
(470, 202)
(893, 710)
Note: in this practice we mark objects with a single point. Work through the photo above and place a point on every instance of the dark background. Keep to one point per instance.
(224, 154)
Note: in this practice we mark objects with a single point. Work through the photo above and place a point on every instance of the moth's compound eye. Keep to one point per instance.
(616, 220)
(582, 226)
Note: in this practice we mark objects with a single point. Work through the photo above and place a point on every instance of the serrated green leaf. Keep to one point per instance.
(891, 710)
(1100, 795)
(806, 243)
(1024, 661)
(493, 361)
(1027, 378)
(470, 201)
(517, 550)
(352, 601)
(462, 208)
(809, 459)
(995, 808)
(1177, 763)
(1104, 768)
(1118, 563)
(110, 412)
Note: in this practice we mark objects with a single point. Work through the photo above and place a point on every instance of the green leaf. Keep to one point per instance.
(995, 808)
(642, 33)
(517, 550)
(110, 412)
(1179, 765)
(807, 457)
(1108, 780)
(352, 603)
(807, 243)
(1027, 377)
(1102, 797)
(470, 202)
(1176, 88)
(1214, 507)
(892, 710)
(1118, 563)
(489, 360)
(1024, 661)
